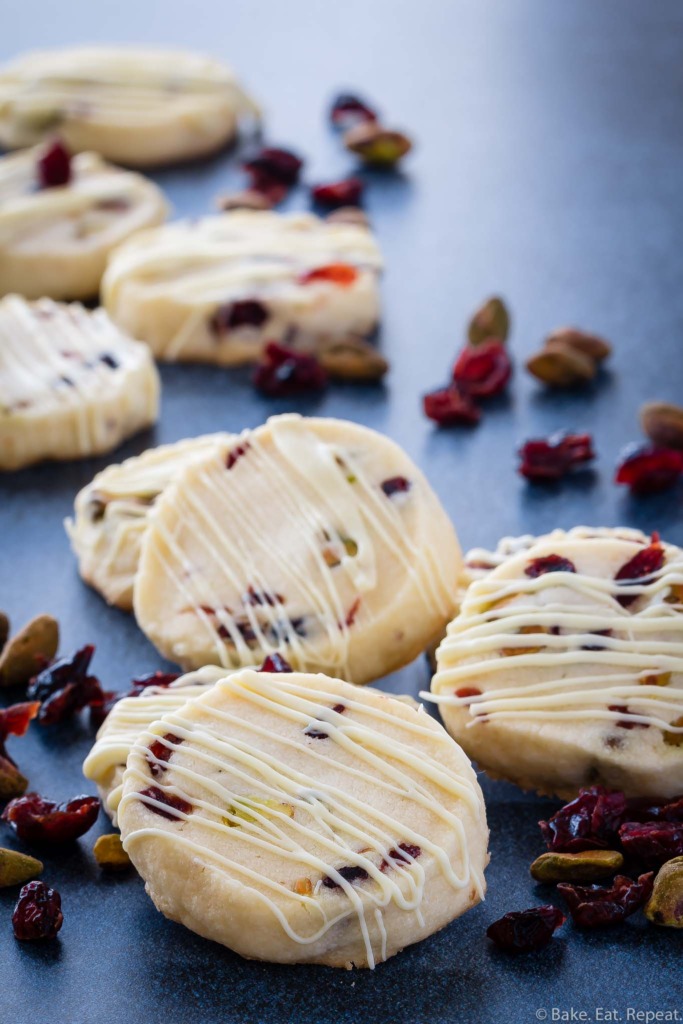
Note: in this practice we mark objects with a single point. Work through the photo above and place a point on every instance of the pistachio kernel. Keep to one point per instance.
(675, 594)
(588, 344)
(110, 854)
(12, 782)
(562, 367)
(655, 679)
(247, 199)
(662, 422)
(349, 215)
(352, 358)
(243, 810)
(587, 866)
(17, 868)
(376, 145)
(665, 906)
(303, 887)
(674, 739)
(39, 638)
(491, 320)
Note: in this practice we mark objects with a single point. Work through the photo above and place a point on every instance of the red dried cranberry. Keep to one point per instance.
(522, 931)
(647, 468)
(548, 563)
(38, 913)
(314, 732)
(401, 853)
(161, 752)
(595, 906)
(64, 687)
(608, 814)
(36, 820)
(275, 663)
(243, 313)
(352, 873)
(347, 192)
(284, 372)
(644, 564)
(352, 612)
(482, 371)
(348, 110)
(100, 710)
(626, 723)
(54, 166)
(273, 171)
(551, 458)
(342, 274)
(643, 810)
(449, 407)
(586, 823)
(110, 361)
(652, 842)
(176, 804)
(261, 597)
(395, 485)
(236, 453)
(467, 691)
(14, 721)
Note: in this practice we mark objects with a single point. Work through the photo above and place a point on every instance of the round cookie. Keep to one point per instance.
(55, 241)
(297, 818)
(215, 290)
(317, 538)
(111, 513)
(564, 667)
(133, 105)
(71, 384)
(130, 716)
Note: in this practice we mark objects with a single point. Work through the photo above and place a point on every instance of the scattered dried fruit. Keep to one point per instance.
(349, 215)
(176, 805)
(663, 424)
(450, 407)
(590, 345)
(37, 820)
(160, 753)
(652, 842)
(38, 913)
(273, 171)
(17, 868)
(253, 806)
(242, 313)
(275, 663)
(14, 721)
(352, 358)
(671, 738)
(522, 931)
(562, 366)
(665, 906)
(597, 906)
(110, 854)
(316, 730)
(376, 145)
(347, 192)
(100, 710)
(548, 563)
(65, 687)
(54, 166)
(647, 468)
(351, 873)
(247, 199)
(303, 887)
(342, 274)
(490, 322)
(32, 647)
(348, 110)
(395, 485)
(482, 370)
(551, 458)
(586, 866)
(402, 854)
(283, 372)
(640, 569)
(590, 821)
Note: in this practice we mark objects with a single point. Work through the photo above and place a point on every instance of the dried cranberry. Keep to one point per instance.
(551, 458)
(347, 192)
(644, 564)
(54, 166)
(652, 842)
(161, 752)
(36, 820)
(236, 453)
(284, 371)
(595, 906)
(273, 171)
(110, 361)
(401, 853)
(342, 274)
(482, 371)
(261, 597)
(627, 722)
(522, 931)
(14, 721)
(176, 804)
(38, 913)
(395, 485)
(586, 823)
(351, 873)
(348, 110)
(647, 468)
(65, 687)
(352, 613)
(314, 732)
(608, 814)
(99, 711)
(243, 313)
(467, 691)
(449, 407)
(548, 563)
(275, 663)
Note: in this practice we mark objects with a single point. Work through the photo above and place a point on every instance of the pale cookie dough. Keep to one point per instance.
(106, 762)
(214, 290)
(571, 677)
(133, 105)
(299, 819)
(111, 513)
(55, 241)
(71, 384)
(318, 538)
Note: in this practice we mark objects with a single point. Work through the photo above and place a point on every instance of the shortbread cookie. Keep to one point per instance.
(71, 384)
(135, 106)
(106, 762)
(55, 241)
(214, 290)
(564, 667)
(314, 537)
(299, 819)
(111, 513)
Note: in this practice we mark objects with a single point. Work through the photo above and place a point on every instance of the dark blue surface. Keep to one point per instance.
(548, 168)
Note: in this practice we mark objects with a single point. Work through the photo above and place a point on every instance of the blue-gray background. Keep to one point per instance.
(548, 168)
